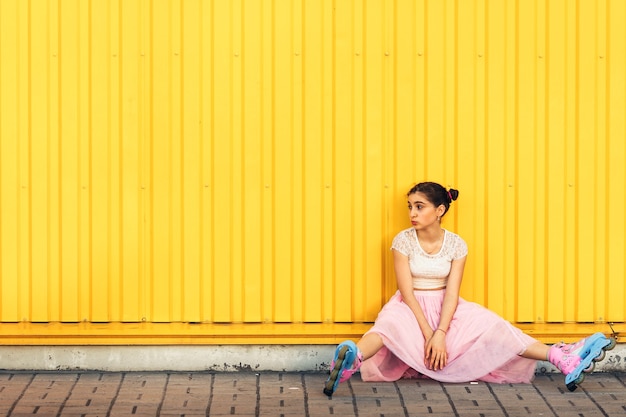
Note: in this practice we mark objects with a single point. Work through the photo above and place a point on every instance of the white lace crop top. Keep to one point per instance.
(429, 271)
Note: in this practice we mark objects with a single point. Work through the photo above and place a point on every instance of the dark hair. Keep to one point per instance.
(435, 193)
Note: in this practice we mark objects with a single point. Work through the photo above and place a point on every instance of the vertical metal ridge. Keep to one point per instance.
(110, 314)
(150, 159)
(180, 53)
(425, 118)
(143, 22)
(202, 174)
(301, 107)
(605, 127)
(295, 269)
(602, 108)
(487, 56)
(261, 180)
(78, 154)
(89, 314)
(19, 180)
(210, 312)
(58, 203)
(49, 201)
(239, 302)
(118, 189)
(516, 158)
(29, 171)
(455, 112)
(543, 314)
(576, 136)
(269, 299)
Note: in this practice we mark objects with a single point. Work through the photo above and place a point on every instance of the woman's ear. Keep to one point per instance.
(441, 210)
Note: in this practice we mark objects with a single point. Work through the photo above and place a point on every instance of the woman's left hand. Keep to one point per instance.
(436, 357)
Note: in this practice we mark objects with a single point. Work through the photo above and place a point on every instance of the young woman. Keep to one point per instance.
(426, 329)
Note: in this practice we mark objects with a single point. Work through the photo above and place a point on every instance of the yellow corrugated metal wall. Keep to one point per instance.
(246, 161)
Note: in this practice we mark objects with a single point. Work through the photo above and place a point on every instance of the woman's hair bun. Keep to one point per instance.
(454, 194)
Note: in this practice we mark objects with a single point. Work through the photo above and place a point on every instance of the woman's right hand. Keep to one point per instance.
(435, 354)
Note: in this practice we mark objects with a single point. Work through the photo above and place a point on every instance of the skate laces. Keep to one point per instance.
(572, 348)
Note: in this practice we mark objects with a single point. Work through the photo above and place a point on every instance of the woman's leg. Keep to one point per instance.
(538, 351)
(370, 344)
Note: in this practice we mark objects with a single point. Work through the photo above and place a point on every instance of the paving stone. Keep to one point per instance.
(298, 394)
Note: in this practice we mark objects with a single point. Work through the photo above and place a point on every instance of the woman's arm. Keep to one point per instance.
(453, 289)
(405, 285)
(436, 356)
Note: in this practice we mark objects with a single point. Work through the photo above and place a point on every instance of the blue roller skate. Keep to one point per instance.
(576, 359)
(346, 362)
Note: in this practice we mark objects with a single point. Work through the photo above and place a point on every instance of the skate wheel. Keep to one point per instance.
(574, 384)
(600, 356)
(612, 343)
(591, 367)
(580, 379)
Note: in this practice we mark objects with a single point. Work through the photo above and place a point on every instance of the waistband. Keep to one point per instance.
(429, 289)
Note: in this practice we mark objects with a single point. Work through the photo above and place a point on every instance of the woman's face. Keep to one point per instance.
(422, 212)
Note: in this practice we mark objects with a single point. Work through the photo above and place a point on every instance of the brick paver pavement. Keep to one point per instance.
(298, 394)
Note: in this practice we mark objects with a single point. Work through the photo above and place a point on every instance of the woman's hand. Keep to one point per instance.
(436, 357)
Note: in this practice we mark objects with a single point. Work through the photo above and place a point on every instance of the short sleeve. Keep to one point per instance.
(460, 248)
(401, 243)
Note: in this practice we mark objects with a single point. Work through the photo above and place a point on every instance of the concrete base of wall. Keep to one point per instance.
(218, 358)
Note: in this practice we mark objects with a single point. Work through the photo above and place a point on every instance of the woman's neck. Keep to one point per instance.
(431, 241)
(432, 234)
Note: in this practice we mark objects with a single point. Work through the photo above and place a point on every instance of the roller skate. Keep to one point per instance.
(576, 359)
(346, 362)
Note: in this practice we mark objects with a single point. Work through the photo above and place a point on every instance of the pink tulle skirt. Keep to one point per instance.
(481, 345)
